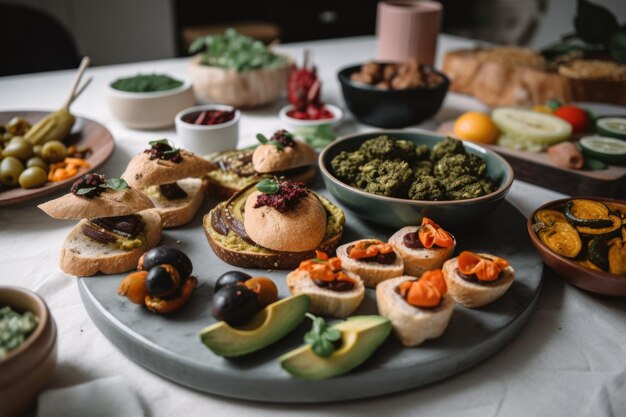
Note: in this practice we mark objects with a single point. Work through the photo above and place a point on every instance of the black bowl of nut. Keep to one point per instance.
(393, 95)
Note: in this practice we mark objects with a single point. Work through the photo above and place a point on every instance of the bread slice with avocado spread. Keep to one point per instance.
(228, 232)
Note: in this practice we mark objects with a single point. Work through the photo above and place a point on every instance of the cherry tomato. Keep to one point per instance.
(577, 117)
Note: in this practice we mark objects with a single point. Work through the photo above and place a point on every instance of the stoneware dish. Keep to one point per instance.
(153, 110)
(293, 123)
(240, 89)
(27, 370)
(399, 212)
(208, 139)
(390, 108)
(599, 282)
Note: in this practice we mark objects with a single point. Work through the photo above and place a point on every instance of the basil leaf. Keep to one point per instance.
(83, 191)
(594, 23)
(279, 145)
(268, 186)
(116, 184)
(321, 337)
(332, 334)
(160, 142)
(261, 138)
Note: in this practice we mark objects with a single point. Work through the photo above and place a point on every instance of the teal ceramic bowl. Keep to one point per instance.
(400, 212)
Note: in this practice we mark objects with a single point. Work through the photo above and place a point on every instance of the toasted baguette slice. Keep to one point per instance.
(107, 204)
(471, 294)
(83, 256)
(250, 256)
(327, 302)
(371, 273)
(412, 325)
(180, 211)
(418, 261)
(142, 172)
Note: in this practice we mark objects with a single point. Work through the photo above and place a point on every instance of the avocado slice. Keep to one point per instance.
(360, 337)
(266, 327)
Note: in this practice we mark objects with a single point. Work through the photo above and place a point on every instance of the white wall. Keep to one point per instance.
(113, 31)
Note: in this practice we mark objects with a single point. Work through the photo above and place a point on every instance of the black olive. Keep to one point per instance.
(230, 278)
(164, 255)
(235, 304)
(162, 280)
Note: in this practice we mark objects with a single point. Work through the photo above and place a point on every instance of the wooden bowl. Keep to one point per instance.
(239, 89)
(599, 282)
(27, 370)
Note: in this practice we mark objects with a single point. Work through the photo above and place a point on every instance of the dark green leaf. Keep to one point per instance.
(594, 23)
(83, 191)
(261, 138)
(159, 142)
(617, 46)
(267, 186)
(278, 145)
(197, 45)
(321, 337)
(116, 184)
(332, 334)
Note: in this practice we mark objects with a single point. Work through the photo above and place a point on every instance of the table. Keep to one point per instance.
(569, 360)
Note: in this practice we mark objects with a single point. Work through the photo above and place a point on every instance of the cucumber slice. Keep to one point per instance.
(610, 150)
(614, 127)
(529, 130)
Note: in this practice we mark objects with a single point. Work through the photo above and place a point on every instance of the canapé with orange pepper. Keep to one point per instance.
(371, 259)
(477, 279)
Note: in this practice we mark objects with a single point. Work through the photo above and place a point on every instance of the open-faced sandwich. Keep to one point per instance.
(418, 309)
(374, 261)
(477, 279)
(169, 177)
(333, 292)
(280, 156)
(119, 224)
(423, 247)
(273, 224)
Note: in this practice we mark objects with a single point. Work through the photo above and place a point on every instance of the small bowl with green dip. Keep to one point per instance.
(28, 349)
(149, 101)
(395, 177)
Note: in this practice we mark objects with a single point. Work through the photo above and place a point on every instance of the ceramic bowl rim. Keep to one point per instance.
(180, 123)
(147, 95)
(589, 273)
(502, 190)
(42, 313)
(336, 110)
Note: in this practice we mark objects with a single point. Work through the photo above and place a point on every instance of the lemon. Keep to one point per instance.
(476, 127)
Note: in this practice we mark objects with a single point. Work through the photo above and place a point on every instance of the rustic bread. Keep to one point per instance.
(143, 172)
(296, 230)
(269, 159)
(108, 204)
(327, 302)
(473, 295)
(371, 273)
(418, 261)
(413, 325)
(181, 210)
(83, 256)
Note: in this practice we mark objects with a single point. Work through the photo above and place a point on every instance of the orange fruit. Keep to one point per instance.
(476, 127)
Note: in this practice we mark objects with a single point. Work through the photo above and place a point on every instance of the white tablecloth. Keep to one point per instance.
(569, 360)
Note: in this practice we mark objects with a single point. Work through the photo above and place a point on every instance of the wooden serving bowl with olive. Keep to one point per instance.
(583, 239)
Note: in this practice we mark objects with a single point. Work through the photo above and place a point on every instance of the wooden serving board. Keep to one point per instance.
(537, 168)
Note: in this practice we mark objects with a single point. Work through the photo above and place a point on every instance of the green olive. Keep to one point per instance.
(37, 150)
(36, 161)
(18, 126)
(10, 170)
(33, 177)
(19, 148)
(53, 151)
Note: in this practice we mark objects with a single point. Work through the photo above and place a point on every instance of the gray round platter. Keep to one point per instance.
(170, 346)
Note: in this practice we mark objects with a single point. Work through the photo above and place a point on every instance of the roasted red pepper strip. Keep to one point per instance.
(369, 248)
(431, 234)
(485, 269)
(161, 306)
(425, 292)
(324, 268)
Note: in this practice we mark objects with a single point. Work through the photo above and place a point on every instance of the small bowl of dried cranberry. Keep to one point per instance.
(326, 114)
(208, 128)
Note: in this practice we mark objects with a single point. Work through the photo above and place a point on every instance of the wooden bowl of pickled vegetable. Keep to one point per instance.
(28, 349)
(583, 239)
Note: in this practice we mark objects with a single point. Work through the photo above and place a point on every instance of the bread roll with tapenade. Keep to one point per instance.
(419, 260)
(372, 273)
(476, 293)
(270, 159)
(179, 211)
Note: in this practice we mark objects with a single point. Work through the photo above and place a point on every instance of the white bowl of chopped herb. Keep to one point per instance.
(28, 349)
(149, 101)
(236, 70)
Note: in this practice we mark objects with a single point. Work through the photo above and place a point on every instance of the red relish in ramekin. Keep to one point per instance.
(209, 117)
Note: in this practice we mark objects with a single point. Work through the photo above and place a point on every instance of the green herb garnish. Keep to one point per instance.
(322, 337)
(115, 184)
(160, 142)
(146, 83)
(233, 50)
(265, 141)
(268, 186)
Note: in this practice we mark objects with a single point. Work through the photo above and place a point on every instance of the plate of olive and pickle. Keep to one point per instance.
(583, 239)
(43, 151)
